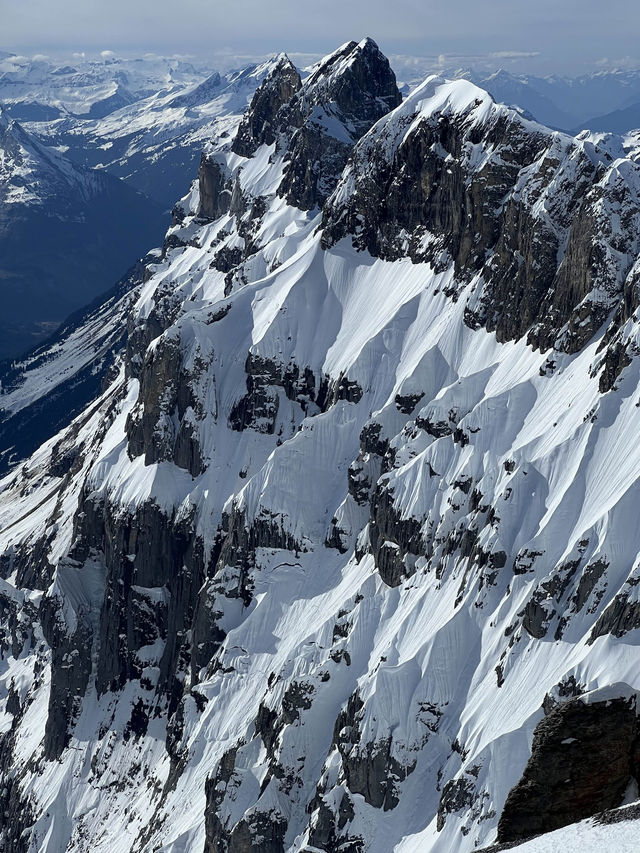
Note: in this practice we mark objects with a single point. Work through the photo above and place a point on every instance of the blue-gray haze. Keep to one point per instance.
(566, 36)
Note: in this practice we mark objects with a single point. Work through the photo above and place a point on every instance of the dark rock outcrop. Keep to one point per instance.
(259, 124)
(583, 758)
(70, 671)
(152, 566)
(620, 617)
(369, 769)
(164, 424)
(414, 188)
(457, 794)
(214, 189)
(395, 541)
(343, 97)
(258, 832)
(329, 828)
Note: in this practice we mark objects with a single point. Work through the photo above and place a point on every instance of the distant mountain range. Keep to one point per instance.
(617, 121)
(65, 235)
(39, 89)
(564, 103)
(82, 198)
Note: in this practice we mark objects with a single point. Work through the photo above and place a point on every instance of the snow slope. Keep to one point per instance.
(619, 831)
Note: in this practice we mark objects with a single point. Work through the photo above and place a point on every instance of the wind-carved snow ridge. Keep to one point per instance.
(341, 557)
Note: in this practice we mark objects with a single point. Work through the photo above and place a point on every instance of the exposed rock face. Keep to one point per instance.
(317, 159)
(165, 425)
(369, 769)
(147, 598)
(394, 541)
(328, 830)
(620, 617)
(259, 125)
(258, 409)
(341, 99)
(583, 758)
(259, 833)
(215, 195)
(149, 567)
(457, 795)
(415, 188)
(70, 671)
(17, 819)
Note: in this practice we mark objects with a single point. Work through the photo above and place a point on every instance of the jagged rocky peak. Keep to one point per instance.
(452, 177)
(314, 124)
(345, 94)
(355, 81)
(258, 126)
(12, 137)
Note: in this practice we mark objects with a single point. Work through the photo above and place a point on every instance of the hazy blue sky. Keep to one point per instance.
(564, 35)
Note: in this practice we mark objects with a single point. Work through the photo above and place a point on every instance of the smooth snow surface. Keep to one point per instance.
(584, 837)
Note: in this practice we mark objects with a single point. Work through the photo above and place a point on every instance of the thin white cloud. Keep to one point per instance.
(566, 35)
(514, 54)
(622, 63)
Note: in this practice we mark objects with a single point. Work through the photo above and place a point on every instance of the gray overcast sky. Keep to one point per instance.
(568, 34)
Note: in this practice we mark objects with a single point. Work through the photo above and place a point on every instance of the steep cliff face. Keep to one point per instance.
(584, 759)
(546, 224)
(259, 125)
(314, 124)
(343, 524)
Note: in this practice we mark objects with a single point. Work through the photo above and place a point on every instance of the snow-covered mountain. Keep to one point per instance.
(155, 143)
(56, 179)
(65, 235)
(601, 100)
(39, 89)
(341, 553)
